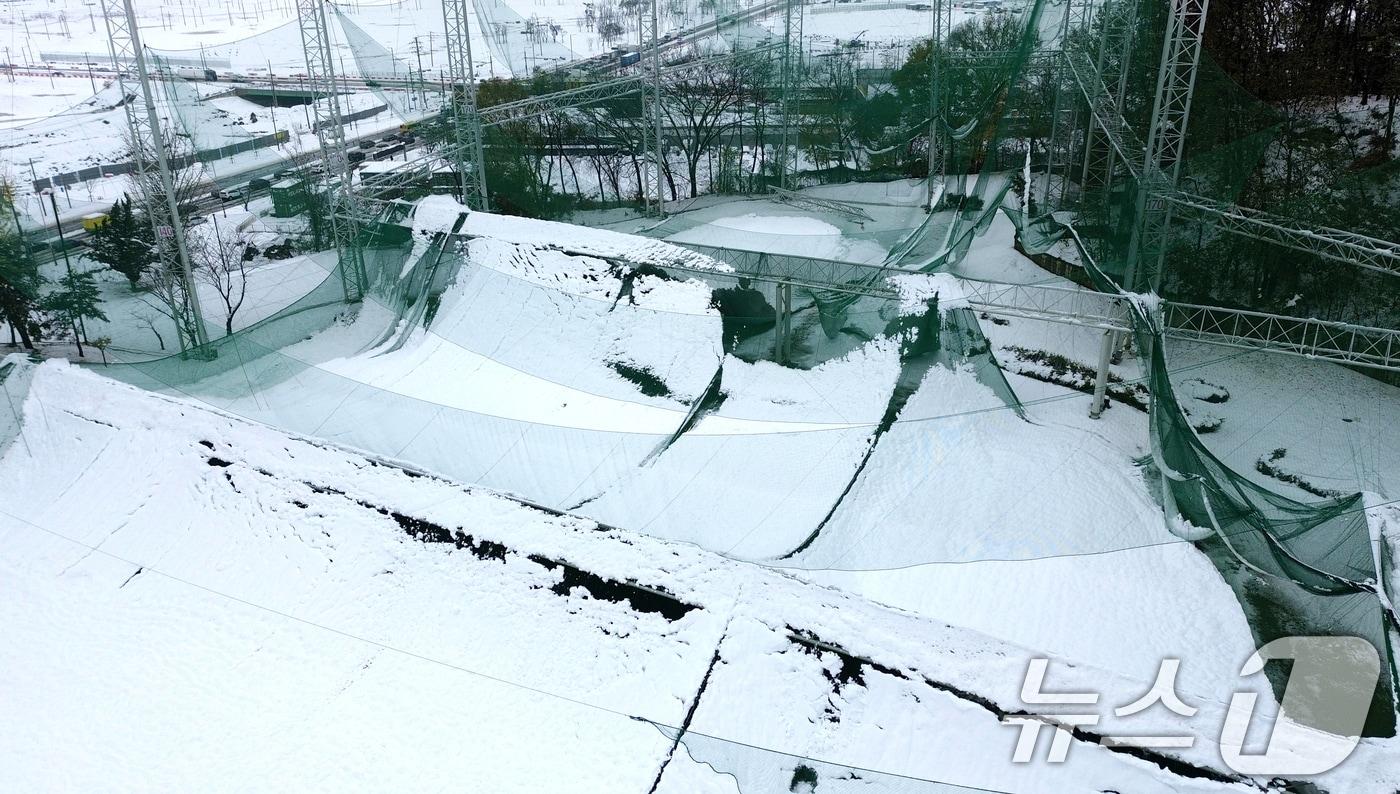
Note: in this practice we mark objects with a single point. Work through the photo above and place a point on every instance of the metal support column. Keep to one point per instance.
(937, 152)
(653, 145)
(791, 93)
(1106, 347)
(1166, 141)
(782, 322)
(1064, 115)
(1116, 36)
(342, 215)
(468, 156)
(148, 152)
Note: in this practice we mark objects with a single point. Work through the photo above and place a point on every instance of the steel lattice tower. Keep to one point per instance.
(467, 154)
(937, 151)
(1166, 142)
(653, 145)
(342, 213)
(1119, 25)
(1065, 116)
(791, 88)
(149, 154)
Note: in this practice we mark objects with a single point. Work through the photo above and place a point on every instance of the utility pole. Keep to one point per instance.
(148, 153)
(468, 152)
(418, 53)
(273, 78)
(58, 225)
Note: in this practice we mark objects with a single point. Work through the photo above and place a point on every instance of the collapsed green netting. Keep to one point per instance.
(1297, 568)
(392, 80)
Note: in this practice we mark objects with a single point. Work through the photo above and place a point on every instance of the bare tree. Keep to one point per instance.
(149, 320)
(172, 295)
(700, 106)
(220, 256)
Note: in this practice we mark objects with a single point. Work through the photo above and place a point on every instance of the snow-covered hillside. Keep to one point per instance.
(194, 602)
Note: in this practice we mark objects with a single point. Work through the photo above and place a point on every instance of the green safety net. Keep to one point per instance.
(408, 93)
(1296, 566)
(1299, 569)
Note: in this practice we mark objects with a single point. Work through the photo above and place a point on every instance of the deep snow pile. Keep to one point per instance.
(248, 609)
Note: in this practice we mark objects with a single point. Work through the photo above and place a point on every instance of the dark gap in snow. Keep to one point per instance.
(219, 462)
(710, 400)
(129, 578)
(90, 419)
(852, 667)
(627, 274)
(744, 312)
(323, 489)
(690, 712)
(806, 777)
(638, 597)
(207, 444)
(918, 353)
(646, 381)
(426, 531)
(299, 503)
(1176, 766)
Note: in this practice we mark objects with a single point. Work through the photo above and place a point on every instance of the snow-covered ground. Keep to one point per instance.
(249, 609)
(561, 367)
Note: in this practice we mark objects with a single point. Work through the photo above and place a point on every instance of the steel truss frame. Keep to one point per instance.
(791, 87)
(149, 154)
(1377, 348)
(467, 153)
(844, 208)
(1064, 115)
(1334, 244)
(1341, 343)
(653, 144)
(937, 148)
(1166, 142)
(344, 214)
(1101, 157)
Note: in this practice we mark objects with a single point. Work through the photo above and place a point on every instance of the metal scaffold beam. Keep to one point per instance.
(1342, 343)
(1108, 120)
(342, 216)
(1377, 348)
(468, 155)
(148, 152)
(1334, 244)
